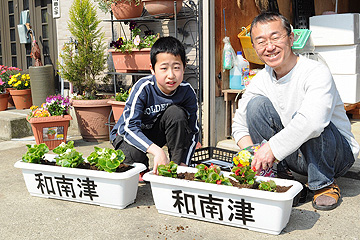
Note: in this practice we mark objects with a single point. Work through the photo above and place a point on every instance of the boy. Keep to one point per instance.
(161, 109)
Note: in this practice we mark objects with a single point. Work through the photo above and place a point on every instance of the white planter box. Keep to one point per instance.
(335, 29)
(341, 59)
(348, 87)
(115, 190)
(257, 210)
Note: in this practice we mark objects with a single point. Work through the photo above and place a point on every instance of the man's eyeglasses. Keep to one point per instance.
(274, 40)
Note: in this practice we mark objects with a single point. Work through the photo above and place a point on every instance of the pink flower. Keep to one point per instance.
(137, 40)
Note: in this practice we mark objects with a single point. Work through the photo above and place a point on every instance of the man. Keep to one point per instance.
(294, 105)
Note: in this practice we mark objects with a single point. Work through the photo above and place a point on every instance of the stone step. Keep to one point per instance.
(14, 125)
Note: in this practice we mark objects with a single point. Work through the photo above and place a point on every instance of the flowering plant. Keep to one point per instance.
(2, 86)
(54, 106)
(20, 81)
(137, 42)
(106, 159)
(122, 95)
(6, 73)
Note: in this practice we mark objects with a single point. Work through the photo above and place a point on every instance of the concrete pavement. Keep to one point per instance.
(25, 217)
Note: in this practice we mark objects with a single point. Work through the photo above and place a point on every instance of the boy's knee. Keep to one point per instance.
(175, 112)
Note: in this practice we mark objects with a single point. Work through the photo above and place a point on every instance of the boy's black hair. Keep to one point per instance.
(269, 17)
(167, 45)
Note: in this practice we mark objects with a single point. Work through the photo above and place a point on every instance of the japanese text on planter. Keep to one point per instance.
(211, 207)
(64, 186)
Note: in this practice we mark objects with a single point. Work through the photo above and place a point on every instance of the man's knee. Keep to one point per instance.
(256, 106)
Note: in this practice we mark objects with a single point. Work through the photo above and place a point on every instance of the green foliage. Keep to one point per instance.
(244, 174)
(71, 158)
(84, 60)
(35, 153)
(122, 95)
(168, 170)
(67, 155)
(211, 175)
(63, 147)
(268, 186)
(106, 159)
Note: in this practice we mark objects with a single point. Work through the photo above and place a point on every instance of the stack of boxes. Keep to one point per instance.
(336, 39)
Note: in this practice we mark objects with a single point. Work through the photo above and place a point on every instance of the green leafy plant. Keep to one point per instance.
(122, 95)
(168, 170)
(268, 186)
(84, 59)
(244, 174)
(63, 147)
(211, 174)
(136, 41)
(105, 5)
(35, 153)
(106, 159)
(67, 155)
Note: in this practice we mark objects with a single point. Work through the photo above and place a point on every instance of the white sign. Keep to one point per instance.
(56, 8)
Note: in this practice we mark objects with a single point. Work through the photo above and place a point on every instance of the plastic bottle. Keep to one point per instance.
(241, 67)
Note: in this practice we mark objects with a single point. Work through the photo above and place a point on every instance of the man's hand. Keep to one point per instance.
(160, 157)
(263, 158)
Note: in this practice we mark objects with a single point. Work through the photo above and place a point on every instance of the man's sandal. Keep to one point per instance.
(327, 198)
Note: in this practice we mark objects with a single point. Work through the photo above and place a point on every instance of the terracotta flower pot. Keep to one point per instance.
(51, 136)
(40, 126)
(123, 10)
(92, 116)
(117, 108)
(22, 98)
(127, 62)
(4, 101)
(162, 6)
(10, 100)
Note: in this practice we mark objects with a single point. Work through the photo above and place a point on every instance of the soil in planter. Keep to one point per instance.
(190, 177)
(122, 167)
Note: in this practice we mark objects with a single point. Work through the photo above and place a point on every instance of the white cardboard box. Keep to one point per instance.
(342, 59)
(335, 29)
(348, 87)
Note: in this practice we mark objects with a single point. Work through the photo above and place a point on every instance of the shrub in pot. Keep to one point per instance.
(83, 63)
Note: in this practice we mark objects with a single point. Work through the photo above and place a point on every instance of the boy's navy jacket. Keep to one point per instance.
(145, 104)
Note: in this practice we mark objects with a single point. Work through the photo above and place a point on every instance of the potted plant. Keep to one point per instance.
(67, 176)
(155, 7)
(122, 9)
(51, 133)
(83, 63)
(5, 75)
(133, 53)
(3, 96)
(118, 103)
(212, 198)
(51, 118)
(20, 92)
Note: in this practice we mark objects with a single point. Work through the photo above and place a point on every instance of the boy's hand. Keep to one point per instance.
(159, 156)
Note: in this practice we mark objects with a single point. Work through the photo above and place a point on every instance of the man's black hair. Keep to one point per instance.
(269, 17)
(167, 45)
